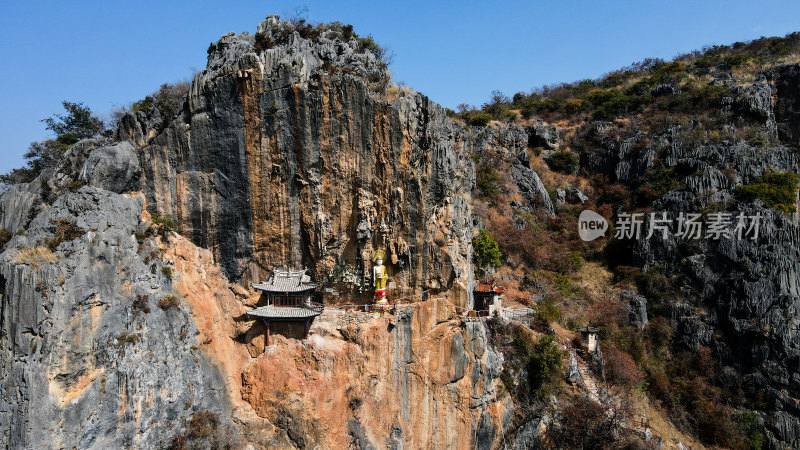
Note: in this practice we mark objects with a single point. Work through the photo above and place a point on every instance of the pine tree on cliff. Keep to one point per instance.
(78, 123)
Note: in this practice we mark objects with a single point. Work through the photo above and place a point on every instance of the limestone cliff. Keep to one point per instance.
(287, 156)
(422, 380)
(117, 332)
(125, 286)
(83, 364)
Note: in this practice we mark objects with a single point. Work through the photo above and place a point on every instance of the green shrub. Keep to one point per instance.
(544, 365)
(709, 97)
(347, 32)
(547, 310)
(576, 260)
(166, 222)
(741, 59)
(127, 339)
(510, 116)
(751, 431)
(777, 190)
(564, 284)
(78, 123)
(564, 162)
(487, 180)
(368, 44)
(480, 119)
(486, 252)
(599, 96)
(168, 100)
(167, 271)
(162, 225)
(619, 105)
(657, 182)
(575, 105)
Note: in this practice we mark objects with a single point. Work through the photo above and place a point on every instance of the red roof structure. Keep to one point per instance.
(489, 286)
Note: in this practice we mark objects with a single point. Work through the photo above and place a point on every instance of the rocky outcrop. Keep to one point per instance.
(82, 364)
(637, 308)
(742, 297)
(574, 195)
(620, 158)
(531, 188)
(755, 102)
(787, 103)
(420, 379)
(289, 150)
(545, 136)
(114, 168)
(291, 155)
(280, 156)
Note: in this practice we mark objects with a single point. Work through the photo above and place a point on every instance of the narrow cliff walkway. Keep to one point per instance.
(587, 378)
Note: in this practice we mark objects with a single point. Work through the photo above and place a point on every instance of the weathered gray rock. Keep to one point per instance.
(545, 136)
(561, 198)
(573, 372)
(528, 435)
(743, 298)
(787, 103)
(574, 195)
(115, 168)
(664, 89)
(532, 188)
(637, 308)
(77, 361)
(620, 158)
(755, 102)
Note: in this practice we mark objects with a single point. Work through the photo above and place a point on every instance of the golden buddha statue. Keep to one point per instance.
(379, 276)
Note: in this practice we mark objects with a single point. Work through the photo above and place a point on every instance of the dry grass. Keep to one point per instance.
(395, 91)
(34, 257)
(658, 421)
(595, 280)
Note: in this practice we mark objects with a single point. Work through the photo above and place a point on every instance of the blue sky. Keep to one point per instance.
(112, 53)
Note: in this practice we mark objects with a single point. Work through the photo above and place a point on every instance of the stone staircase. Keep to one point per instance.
(588, 381)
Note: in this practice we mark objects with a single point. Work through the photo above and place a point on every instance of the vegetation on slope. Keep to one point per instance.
(546, 265)
(78, 123)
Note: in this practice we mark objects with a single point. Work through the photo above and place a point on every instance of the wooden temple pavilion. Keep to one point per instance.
(288, 301)
(487, 298)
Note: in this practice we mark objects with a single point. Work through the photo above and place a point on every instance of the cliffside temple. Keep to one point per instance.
(162, 283)
(287, 295)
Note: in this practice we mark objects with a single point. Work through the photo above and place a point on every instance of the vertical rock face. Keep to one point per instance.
(787, 105)
(419, 380)
(81, 366)
(287, 157)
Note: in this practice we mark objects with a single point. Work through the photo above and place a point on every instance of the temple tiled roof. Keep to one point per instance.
(484, 287)
(287, 281)
(284, 312)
